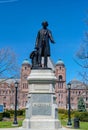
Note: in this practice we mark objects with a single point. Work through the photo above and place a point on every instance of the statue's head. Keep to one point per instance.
(44, 23)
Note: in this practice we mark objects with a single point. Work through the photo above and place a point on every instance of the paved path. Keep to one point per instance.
(19, 128)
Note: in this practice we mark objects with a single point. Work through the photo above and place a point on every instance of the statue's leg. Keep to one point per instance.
(45, 58)
(39, 57)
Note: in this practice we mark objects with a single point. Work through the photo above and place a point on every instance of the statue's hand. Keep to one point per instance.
(36, 48)
(53, 41)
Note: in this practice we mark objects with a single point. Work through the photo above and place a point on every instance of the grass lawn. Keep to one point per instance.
(8, 123)
(83, 125)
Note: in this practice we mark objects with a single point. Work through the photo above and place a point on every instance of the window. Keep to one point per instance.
(4, 104)
(27, 85)
(4, 97)
(12, 91)
(60, 84)
(61, 95)
(6, 92)
(86, 98)
(60, 67)
(25, 68)
(86, 92)
(86, 105)
(60, 78)
(23, 85)
(72, 98)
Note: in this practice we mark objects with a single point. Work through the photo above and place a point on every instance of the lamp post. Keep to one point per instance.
(69, 124)
(15, 123)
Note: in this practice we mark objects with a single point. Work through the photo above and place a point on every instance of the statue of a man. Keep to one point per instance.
(42, 43)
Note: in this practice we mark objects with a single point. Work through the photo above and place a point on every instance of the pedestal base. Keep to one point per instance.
(42, 124)
(41, 109)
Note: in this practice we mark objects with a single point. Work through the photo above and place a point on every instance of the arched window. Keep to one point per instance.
(60, 77)
(25, 67)
(60, 67)
(60, 81)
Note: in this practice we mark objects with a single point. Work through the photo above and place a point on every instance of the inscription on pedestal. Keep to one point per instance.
(41, 104)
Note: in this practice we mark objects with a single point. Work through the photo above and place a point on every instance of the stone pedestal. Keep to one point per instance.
(41, 109)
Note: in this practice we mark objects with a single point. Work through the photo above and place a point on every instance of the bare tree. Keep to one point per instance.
(8, 64)
(82, 58)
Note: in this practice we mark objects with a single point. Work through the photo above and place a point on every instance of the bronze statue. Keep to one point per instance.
(42, 43)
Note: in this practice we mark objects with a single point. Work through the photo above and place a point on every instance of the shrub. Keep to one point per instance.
(1, 116)
(63, 116)
(10, 111)
(63, 111)
(6, 114)
(83, 116)
(20, 112)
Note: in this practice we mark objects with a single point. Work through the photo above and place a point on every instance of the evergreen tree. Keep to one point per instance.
(81, 105)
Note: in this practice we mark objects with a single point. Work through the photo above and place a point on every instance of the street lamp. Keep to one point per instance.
(69, 124)
(15, 123)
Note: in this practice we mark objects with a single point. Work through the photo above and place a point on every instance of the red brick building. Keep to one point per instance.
(60, 89)
(7, 88)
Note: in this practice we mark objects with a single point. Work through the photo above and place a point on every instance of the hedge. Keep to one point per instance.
(1, 116)
(6, 114)
(63, 111)
(19, 112)
(83, 116)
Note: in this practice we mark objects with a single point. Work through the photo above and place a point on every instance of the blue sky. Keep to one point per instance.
(20, 21)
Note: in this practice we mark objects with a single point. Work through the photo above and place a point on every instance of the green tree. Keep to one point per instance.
(81, 105)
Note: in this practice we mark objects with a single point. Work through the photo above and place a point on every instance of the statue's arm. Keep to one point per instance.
(37, 40)
(51, 37)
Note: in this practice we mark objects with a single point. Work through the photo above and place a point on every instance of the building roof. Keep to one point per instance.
(76, 84)
(9, 81)
(26, 61)
(60, 62)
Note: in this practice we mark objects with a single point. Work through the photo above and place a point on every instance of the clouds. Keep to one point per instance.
(7, 1)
